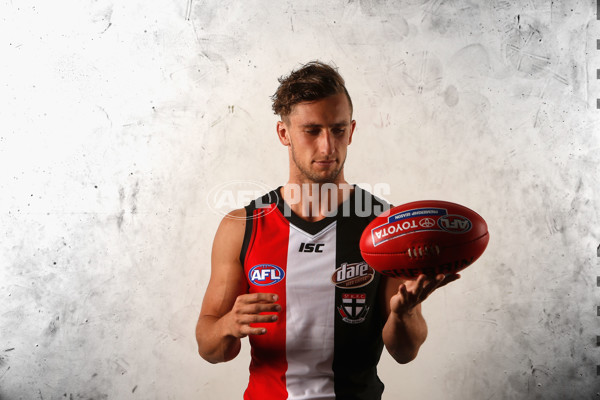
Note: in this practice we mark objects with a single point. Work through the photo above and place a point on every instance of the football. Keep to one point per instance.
(424, 237)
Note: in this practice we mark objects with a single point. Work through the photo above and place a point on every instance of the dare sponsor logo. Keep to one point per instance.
(455, 223)
(355, 275)
(265, 274)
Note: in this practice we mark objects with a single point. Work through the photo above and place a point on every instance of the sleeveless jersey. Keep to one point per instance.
(327, 341)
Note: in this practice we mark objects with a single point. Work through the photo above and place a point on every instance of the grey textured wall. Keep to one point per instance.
(118, 118)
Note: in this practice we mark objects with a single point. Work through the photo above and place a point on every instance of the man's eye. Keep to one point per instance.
(313, 131)
(338, 131)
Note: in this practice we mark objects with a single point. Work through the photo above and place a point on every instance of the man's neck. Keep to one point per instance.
(315, 201)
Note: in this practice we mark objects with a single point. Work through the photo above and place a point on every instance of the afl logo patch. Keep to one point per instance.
(455, 224)
(265, 274)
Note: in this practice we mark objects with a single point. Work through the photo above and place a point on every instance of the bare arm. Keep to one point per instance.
(405, 329)
(227, 310)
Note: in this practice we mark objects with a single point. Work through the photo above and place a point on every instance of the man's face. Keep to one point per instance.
(318, 134)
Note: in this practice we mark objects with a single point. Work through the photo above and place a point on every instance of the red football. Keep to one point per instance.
(424, 237)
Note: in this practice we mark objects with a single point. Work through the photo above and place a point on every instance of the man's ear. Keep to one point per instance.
(283, 133)
(352, 126)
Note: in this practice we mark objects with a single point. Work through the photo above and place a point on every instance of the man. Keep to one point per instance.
(287, 271)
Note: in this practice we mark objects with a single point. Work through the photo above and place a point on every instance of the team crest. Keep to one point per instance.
(353, 309)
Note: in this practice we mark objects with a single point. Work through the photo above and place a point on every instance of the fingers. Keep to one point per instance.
(414, 292)
(420, 288)
(449, 278)
(245, 319)
(427, 284)
(257, 303)
(258, 297)
(254, 308)
(247, 330)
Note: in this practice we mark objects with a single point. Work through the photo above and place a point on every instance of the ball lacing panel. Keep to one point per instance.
(424, 251)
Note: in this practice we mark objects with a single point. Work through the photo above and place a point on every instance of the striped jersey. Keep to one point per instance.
(327, 341)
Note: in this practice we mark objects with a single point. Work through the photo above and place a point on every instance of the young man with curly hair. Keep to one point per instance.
(287, 270)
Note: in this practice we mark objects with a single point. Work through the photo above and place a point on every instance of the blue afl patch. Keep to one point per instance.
(265, 274)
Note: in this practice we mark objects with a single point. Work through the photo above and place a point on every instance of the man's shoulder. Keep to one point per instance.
(234, 220)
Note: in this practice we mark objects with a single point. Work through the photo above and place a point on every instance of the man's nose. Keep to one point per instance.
(326, 142)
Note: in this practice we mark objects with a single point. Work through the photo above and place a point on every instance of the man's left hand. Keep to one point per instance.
(413, 292)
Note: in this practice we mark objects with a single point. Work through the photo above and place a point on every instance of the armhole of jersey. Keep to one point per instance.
(247, 232)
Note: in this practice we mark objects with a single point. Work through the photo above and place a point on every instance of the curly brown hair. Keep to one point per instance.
(313, 81)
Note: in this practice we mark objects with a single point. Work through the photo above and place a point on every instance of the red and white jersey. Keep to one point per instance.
(327, 341)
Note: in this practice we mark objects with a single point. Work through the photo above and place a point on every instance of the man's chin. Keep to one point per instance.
(325, 177)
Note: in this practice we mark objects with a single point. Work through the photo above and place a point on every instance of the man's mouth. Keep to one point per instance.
(324, 163)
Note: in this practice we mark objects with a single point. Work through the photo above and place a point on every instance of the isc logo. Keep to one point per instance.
(311, 247)
(454, 224)
(265, 274)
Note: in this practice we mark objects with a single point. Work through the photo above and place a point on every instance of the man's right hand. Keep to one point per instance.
(249, 309)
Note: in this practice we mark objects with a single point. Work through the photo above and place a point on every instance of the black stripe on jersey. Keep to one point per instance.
(247, 232)
(358, 346)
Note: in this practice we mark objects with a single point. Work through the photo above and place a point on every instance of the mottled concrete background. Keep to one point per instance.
(118, 117)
